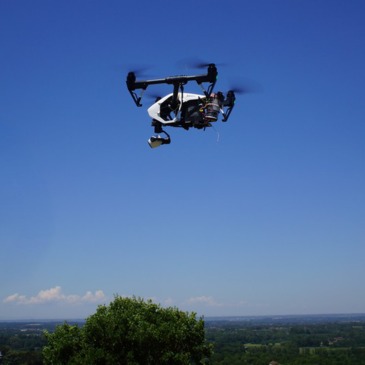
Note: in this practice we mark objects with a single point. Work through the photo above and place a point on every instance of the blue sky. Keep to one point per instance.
(266, 219)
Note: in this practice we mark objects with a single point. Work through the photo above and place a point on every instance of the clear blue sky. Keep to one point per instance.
(267, 219)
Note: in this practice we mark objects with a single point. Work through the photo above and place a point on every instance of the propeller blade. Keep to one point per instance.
(240, 90)
(245, 86)
(154, 96)
(138, 70)
(196, 63)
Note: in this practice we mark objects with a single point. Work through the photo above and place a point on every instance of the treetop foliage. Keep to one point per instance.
(130, 331)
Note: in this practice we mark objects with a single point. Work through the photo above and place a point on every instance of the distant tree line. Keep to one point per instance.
(137, 332)
(287, 344)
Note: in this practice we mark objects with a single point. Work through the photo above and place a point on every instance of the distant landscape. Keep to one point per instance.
(303, 339)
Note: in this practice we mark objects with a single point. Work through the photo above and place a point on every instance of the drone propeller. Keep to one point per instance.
(138, 70)
(197, 63)
(202, 64)
(245, 87)
(240, 90)
(154, 96)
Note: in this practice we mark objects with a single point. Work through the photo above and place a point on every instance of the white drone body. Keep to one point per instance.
(156, 112)
(181, 109)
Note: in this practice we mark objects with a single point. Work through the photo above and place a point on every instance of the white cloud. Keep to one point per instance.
(98, 296)
(55, 295)
(15, 298)
(168, 302)
(209, 301)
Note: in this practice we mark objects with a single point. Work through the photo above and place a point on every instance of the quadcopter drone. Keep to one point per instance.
(180, 109)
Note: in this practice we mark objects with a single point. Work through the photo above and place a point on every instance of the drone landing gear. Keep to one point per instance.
(156, 141)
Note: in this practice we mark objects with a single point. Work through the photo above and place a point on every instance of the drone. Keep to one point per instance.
(180, 109)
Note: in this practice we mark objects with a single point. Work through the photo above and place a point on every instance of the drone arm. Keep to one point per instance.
(177, 81)
(137, 99)
(210, 77)
(229, 104)
(227, 113)
(133, 85)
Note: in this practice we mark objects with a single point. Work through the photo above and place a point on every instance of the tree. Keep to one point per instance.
(64, 346)
(130, 331)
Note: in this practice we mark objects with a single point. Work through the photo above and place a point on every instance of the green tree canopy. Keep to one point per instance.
(130, 331)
